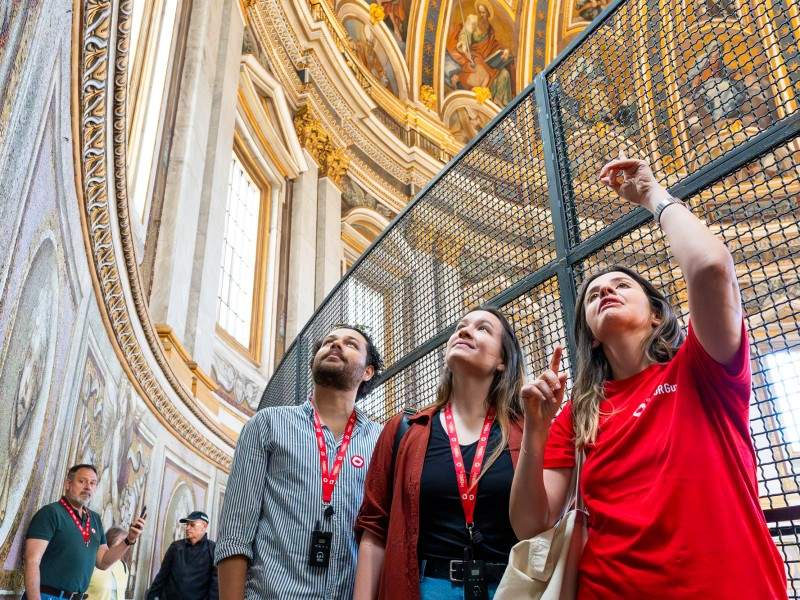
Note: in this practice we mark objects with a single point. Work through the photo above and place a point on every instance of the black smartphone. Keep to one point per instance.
(144, 511)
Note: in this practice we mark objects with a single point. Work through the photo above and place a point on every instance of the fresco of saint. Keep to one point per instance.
(396, 19)
(475, 57)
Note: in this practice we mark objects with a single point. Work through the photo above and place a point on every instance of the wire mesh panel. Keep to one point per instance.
(680, 84)
(413, 387)
(538, 322)
(707, 92)
(282, 386)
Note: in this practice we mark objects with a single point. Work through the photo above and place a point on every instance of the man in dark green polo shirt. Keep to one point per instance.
(66, 540)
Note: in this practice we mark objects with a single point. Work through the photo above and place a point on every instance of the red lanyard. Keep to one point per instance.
(84, 529)
(329, 480)
(465, 488)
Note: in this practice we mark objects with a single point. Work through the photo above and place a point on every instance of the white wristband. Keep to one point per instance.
(661, 205)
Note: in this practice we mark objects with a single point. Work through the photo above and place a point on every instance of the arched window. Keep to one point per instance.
(241, 288)
(150, 61)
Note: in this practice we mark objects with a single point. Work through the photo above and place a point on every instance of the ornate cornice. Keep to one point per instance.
(348, 126)
(91, 121)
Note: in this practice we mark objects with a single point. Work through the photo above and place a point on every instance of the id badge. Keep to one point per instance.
(475, 587)
(319, 551)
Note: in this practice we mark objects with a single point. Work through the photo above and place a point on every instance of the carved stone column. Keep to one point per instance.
(316, 247)
(329, 237)
(302, 251)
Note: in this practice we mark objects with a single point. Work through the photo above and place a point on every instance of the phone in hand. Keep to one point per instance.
(143, 514)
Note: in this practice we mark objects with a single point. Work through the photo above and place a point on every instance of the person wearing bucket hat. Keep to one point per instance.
(188, 571)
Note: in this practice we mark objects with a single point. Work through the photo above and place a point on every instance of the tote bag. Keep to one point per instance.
(545, 567)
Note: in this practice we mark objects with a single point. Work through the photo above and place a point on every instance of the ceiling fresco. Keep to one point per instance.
(462, 60)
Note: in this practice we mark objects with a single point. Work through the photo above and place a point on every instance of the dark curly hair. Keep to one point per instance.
(374, 359)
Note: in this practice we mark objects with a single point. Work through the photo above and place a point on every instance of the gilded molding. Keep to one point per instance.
(332, 159)
(285, 48)
(334, 163)
(91, 123)
(12, 580)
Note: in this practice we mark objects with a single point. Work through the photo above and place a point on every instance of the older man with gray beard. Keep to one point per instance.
(66, 540)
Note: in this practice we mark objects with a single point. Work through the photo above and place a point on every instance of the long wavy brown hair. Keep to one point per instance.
(593, 369)
(504, 393)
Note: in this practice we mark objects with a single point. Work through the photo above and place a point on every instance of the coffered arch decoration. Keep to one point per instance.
(99, 96)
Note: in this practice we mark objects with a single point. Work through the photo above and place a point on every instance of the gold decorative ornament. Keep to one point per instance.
(376, 14)
(482, 94)
(331, 159)
(334, 163)
(427, 96)
(670, 164)
(601, 128)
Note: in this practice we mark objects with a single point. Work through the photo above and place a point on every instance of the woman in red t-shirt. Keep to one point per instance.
(412, 525)
(669, 477)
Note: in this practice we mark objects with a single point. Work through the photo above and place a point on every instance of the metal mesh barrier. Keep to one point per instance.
(707, 92)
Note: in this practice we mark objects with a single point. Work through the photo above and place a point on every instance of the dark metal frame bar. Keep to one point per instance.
(567, 257)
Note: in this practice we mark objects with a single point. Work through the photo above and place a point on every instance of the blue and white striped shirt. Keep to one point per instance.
(274, 498)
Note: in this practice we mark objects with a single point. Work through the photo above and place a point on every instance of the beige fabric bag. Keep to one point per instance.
(545, 567)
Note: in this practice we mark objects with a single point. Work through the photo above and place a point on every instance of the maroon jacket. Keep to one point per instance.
(390, 509)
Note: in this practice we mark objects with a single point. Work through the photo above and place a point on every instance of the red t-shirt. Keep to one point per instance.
(670, 485)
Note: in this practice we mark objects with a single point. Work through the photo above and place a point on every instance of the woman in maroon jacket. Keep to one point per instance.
(437, 513)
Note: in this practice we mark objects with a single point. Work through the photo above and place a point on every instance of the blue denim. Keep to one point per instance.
(44, 596)
(432, 588)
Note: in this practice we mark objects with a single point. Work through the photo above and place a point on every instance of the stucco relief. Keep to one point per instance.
(234, 386)
(106, 423)
(17, 23)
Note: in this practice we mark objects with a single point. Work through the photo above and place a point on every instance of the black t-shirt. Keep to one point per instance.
(442, 532)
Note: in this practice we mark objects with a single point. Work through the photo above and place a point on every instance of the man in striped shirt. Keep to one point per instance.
(296, 484)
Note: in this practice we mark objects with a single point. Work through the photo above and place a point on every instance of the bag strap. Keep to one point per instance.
(580, 458)
(405, 423)
(574, 497)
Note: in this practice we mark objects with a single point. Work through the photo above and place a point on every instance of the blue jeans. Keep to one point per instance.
(44, 596)
(432, 588)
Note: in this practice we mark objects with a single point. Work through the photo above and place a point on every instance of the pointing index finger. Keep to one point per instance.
(555, 360)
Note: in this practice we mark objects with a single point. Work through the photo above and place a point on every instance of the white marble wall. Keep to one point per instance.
(329, 238)
(185, 275)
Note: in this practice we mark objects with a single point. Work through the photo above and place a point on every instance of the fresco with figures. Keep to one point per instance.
(465, 59)
(65, 396)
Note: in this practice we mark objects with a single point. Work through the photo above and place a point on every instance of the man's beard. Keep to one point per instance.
(78, 501)
(342, 376)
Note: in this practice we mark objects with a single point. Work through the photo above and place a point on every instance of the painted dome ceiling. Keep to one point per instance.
(459, 60)
(401, 85)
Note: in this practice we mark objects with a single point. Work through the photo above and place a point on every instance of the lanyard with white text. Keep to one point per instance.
(468, 489)
(329, 480)
(84, 529)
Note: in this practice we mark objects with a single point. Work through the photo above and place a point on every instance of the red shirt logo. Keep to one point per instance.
(664, 388)
(357, 461)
